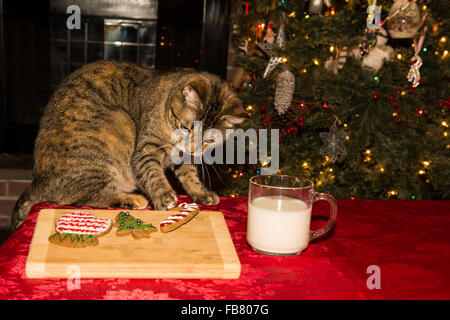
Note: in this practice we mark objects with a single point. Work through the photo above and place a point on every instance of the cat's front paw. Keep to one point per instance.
(163, 200)
(208, 198)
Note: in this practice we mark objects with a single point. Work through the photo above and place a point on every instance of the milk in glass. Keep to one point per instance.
(278, 224)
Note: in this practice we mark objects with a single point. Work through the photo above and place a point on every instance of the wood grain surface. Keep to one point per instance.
(200, 249)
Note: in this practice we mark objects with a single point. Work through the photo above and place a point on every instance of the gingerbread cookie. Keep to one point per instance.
(184, 213)
(79, 230)
(127, 224)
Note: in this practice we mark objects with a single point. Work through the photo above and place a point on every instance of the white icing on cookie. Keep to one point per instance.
(82, 223)
(180, 215)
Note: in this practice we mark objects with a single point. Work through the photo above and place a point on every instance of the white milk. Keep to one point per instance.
(278, 224)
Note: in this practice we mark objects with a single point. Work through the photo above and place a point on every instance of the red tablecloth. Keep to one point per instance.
(408, 240)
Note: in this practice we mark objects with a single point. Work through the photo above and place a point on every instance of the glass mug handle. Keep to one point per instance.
(331, 220)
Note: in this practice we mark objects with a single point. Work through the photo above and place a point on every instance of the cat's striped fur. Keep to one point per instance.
(105, 136)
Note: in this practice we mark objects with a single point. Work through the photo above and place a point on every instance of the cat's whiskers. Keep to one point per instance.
(209, 178)
(217, 173)
(168, 144)
(203, 174)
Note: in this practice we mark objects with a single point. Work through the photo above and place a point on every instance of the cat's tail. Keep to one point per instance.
(26, 200)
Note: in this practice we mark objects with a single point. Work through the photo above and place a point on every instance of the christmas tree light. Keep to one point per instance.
(379, 112)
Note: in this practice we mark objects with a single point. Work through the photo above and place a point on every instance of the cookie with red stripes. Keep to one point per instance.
(183, 213)
(79, 230)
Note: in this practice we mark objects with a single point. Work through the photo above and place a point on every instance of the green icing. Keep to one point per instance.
(128, 222)
(74, 237)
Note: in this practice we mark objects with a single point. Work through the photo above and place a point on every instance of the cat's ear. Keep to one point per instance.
(196, 91)
(191, 96)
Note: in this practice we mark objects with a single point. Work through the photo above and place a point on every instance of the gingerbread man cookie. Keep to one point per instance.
(79, 230)
(184, 213)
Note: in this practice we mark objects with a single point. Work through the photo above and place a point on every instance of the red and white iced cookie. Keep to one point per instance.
(184, 212)
(82, 223)
(79, 229)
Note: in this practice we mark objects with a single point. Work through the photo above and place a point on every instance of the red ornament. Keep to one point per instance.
(301, 124)
(420, 112)
(411, 90)
(399, 110)
(301, 119)
(395, 103)
(391, 97)
(269, 117)
(399, 119)
(420, 81)
(398, 91)
(440, 104)
(263, 115)
(265, 124)
(375, 96)
(263, 108)
(302, 105)
(325, 105)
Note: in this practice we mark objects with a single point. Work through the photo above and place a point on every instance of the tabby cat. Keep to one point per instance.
(105, 137)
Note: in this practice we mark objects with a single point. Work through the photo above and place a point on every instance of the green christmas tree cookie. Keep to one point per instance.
(127, 224)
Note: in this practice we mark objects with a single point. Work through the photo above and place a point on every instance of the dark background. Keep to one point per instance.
(37, 51)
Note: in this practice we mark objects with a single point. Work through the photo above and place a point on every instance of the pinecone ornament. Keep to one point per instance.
(284, 91)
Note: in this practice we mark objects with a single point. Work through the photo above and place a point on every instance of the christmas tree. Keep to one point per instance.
(361, 99)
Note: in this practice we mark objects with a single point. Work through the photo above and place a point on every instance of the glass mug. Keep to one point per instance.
(279, 214)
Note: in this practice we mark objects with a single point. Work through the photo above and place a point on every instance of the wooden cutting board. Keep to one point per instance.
(200, 249)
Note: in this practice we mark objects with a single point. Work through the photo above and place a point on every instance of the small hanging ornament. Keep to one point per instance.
(414, 73)
(334, 64)
(270, 36)
(333, 143)
(244, 46)
(416, 61)
(369, 41)
(284, 91)
(267, 48)
(316, 6)
(403, 19)
(241, 79)
(380, 53)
